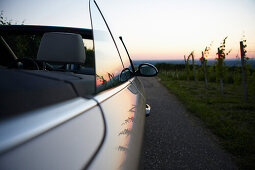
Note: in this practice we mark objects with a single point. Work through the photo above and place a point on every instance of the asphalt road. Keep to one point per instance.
(174, 139)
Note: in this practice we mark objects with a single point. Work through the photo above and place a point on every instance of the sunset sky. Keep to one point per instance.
(169, 29)
(153, 29)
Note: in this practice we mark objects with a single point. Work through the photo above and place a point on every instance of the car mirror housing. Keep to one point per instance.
(125, 74)
(146, 70)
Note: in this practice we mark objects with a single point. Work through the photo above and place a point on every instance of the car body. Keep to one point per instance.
(64, 106)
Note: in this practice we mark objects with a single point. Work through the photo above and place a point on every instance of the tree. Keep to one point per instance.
(3, 20)
(23, 46)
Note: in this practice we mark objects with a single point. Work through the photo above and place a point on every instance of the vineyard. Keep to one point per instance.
(232, 76)
(222, 96)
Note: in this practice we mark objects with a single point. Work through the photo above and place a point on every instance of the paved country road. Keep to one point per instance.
(174, 139)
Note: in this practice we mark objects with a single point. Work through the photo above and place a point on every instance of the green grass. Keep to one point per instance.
(227, 116)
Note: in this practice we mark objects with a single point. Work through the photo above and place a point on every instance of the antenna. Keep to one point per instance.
(133, 68)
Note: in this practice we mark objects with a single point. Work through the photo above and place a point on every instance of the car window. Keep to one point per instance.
(107, 59)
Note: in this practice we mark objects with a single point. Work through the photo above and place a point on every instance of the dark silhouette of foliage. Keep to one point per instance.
(90, 58)
(244, 50)
(3, 20)
(193, 65)
(203, 61)
(245, 72)
(166, 66)
(220, 65)
(22, 45)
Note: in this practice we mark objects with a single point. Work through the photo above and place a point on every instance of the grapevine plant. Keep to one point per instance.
(220, 65)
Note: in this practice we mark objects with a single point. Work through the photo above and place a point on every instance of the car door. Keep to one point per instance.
(123, 106)
(61, 136)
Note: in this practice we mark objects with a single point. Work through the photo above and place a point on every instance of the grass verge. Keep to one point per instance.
(227, 116)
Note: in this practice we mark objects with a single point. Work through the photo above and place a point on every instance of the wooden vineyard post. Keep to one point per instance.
(193, 65)
(220, 71)
(187, 66)
(243, 71)
(204, 69)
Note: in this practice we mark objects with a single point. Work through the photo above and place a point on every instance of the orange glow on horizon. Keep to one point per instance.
(179, 56)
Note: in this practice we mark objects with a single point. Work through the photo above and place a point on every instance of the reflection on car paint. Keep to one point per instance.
(127, 132)
(129, 119)
(123, 130)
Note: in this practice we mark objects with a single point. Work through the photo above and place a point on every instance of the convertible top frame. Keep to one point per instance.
(35, 29)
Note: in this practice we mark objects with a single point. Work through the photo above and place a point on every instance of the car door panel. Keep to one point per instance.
(65, 136)
(124, 114)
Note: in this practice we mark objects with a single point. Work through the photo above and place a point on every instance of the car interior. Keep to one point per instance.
(56, 71)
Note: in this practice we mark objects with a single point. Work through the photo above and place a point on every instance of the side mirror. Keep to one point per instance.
(125, 75)
(146, 70)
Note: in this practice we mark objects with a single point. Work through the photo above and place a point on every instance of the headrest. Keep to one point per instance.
(61, 47)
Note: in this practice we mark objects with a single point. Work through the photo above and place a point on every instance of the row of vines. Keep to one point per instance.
(218, 72)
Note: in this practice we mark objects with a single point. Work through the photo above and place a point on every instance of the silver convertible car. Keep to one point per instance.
(65, 105)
